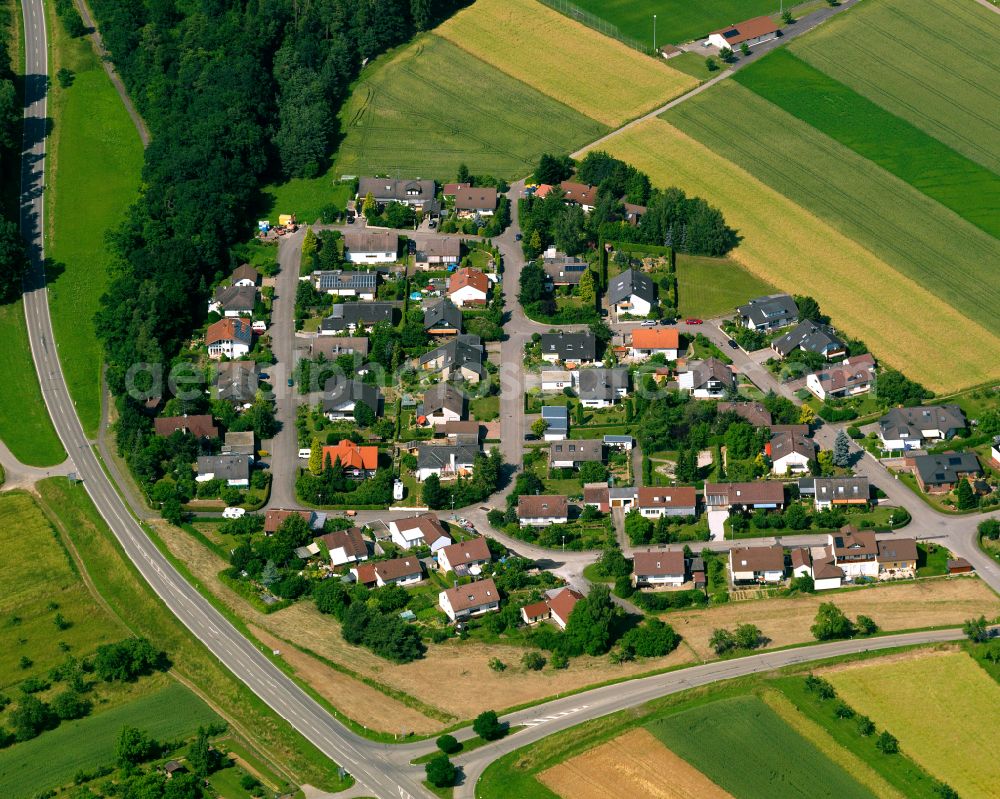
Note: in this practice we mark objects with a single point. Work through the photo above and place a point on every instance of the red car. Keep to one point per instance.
(693, 321)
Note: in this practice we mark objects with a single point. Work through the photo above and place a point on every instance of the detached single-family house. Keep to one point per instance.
(339, 283)
(371, 246)
(634, 213)
(244, 443)
(597, 495)
(233, 301)
(911, 428)
(442, 318)
(458, 359)
(541, 510)
(562, 269)
(451, 189)
(198, 425)
(768, 313)
(476, 201)
(275, 517)
(708, 379)
(810, 337)
(345, 546)
(535, 612)
(600, 387)
(234, 469)
(556, 379)
(790, 452)
(468, 286)
(398, 571)
(357, 460)
(767, 494)
(332, 347)
(851, 377)
(822, 567)
(438, 252)
(424, 530)
(245, 275)
(578, 348)
(646, 342)
(753, 412)
(415, 193)
(236, 381)
(751, 33)
(897, 557)
(473, 599)
(229, 338)
(353, 316)
(561, 605)
(341, 395)
(557, 419)
(856, 552)
(658, 568)
(757, 565)
(573, 453)
(579, 194)
(941, 473)
(632, 292)
(827, 492)
(656, 501)
(446, 461)
(463, 556)
(443, 403)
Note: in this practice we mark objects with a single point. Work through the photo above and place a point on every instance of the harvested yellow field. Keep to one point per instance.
(903, 606)
(633, 764)
(574, 64)
(943, 708)
(788, 246)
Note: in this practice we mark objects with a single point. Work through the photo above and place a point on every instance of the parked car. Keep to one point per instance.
(648, 323)
(233, 513)
(733, 345)
(432, 224)
(668, 320)
(693, 322)
(291, 382)
(517, 237)
(264, 376)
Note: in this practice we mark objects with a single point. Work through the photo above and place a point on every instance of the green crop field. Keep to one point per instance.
(431, 106)
(959, 104)
(54, 757)
(964, 186)
(917, 236)
(25, 426)
(94, 166)
(713, 286)
(746, 748)
(677, 20)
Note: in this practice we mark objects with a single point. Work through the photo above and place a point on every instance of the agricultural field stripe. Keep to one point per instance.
(785, 244)
(958, 183)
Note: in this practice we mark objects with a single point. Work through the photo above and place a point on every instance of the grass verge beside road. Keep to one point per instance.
(95, 160)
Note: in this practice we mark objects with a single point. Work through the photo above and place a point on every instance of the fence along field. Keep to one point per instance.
(431, 107)
(916, 235)
(968, 189)
(795, 250)
(959, 105)
(542, 48)
(745, 748)
(943, 708)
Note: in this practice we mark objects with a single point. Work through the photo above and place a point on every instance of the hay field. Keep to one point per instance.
(792, 248)
(943, 708)
(633, 764)
(958, 183)
(959, 105)
(746, 748)
(907, 229)
(576, 65)
(926, 603)
(431, 106)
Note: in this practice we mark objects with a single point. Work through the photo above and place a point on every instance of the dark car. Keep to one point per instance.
(733, 345)
(668, 320)
(517, 237)
(291, 382)
(264, 376)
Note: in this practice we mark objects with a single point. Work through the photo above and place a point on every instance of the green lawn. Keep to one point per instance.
(694, 65)
(485, 409)
(708, 287)
(25, 426)
(747, 749)
(911, 232)
(956, 105)
(966, 187)
(305, 197)
(94, 168)
(51, 759)
(932, 560)
(429, 107)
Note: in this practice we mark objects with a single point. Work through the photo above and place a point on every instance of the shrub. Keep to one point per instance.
(866, 625)
(559, 660)
(866, 726)
(533, 661)
(843, 711)
(886, 743)
(497, 665)
(448, 744)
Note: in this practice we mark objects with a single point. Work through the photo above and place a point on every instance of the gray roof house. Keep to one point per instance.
(233, 300)
(908, 428)
(557, 418)
(236, 381)
(941, 473)
(240, 444)
(450, 460)
(769, 313)
(577, 347)
(562, 269)
(344, 283)
(629, 286)
(352, 315)
(810, 337)
(386, 190)
(570, 454)
(443, 397)
(459, 359)
(234, 469)
(331, 347)
(600, 387)
(707, 379)
(443, 317)
(829, 491)
(341, 394)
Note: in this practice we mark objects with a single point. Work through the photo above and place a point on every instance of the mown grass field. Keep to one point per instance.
(713, 286)
(745, 748)
(958, 183)
(958, 105)
(543, 48)
(677, 20)
(95, 159)
(785, 244)
(431, 106)
(54, 757)
(916, 235)
(943, 708)
(25, 426)
(304, 197)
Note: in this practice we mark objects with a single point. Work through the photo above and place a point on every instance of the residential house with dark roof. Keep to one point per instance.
(573, 453)
(562, 269)
(415, 193)
(473, 599)
(632, 293)
(197, 425)
(708, 379)
(423, 530)
(442, 318)
(233, 301)
(828, 492)
(447, 461)
(476, 201)
(599, 387)
(345, 546)
(753, 412)
(790, 452)
(656, 501)
(332, 347)
(371, 246)
(856, 552)
(810, 337)
(341, 395)
(897, 557)
(237, 382)
(240, 443)
(353, 316)
(850, 377)
(757, 565)
(443, 403)
(766, 494)
(911, 428)
(459, 359)
(941, 473)
(541, 510)
(578, 348)
(665, 567)
(234, 469)
(557, 420)
(229, 338)
(437, 252)
(341, 283)
(245, 275)
(634, 213)
(768, 313)
(398, 571)
(275, 517)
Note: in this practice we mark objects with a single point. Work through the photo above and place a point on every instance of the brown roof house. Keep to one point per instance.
(767, 494)
(654, 502)
(473, 599)
(345, 546)
(468, 286)
(856, 552)
(658, 568)
(790, 452)
(751, 32)
(398, 571)
(274, 517)
(897, 557)
(424, 530)
(464, 556)
(438, 251)
(475, 201)
(561, 605)
(199, 426)
(541, 510)
(757, 565)
(753, 412)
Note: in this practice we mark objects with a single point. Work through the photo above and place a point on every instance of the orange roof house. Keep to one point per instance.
(352, 456)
